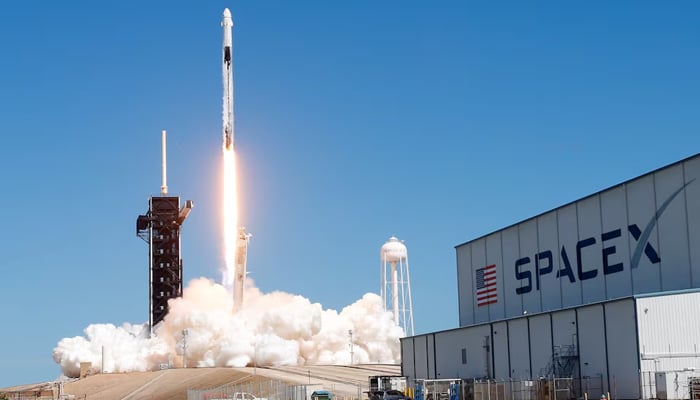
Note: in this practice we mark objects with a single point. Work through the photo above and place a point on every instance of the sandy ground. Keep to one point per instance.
(346, 382)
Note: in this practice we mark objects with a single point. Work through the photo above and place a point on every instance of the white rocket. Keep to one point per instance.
(240, 267)
(227, 71)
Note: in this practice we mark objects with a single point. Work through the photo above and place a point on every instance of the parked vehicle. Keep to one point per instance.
(387, 395)
(235, 396)
(246, 396)
(321, 395)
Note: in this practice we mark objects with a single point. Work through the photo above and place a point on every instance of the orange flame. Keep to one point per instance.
(230, 213)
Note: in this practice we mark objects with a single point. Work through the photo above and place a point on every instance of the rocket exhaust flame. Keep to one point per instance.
(230, 212)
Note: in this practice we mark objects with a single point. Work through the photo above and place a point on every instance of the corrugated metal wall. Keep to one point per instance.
(408, 358)
(519, 346)
(501, 357)
(420, 346)
(463, 354)
(540, 343)
(591, 342)
(634, 238)
(669, 332)
(621, 338)
(603, 336)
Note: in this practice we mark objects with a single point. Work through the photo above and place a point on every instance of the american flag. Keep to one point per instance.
(486, 286)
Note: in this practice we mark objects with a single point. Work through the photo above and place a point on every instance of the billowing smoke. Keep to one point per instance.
(271, 329)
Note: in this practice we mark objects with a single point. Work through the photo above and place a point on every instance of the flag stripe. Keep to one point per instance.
(486, 283)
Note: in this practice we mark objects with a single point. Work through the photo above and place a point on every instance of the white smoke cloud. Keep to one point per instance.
(271, 329)
(125, 348)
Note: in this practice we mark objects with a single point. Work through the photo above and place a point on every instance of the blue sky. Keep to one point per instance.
(436, 122)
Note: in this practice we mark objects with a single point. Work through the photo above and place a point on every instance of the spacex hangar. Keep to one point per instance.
(603, 291)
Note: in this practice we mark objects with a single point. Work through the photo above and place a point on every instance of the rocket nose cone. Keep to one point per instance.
(227, 13)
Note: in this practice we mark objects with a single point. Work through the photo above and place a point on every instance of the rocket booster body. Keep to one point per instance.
(241, 267)
(241, 241)
(227, 71)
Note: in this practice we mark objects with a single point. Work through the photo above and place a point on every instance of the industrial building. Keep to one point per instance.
(603, 291)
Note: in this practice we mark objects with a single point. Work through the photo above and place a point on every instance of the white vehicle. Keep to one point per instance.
(235, 396)
(246, 396)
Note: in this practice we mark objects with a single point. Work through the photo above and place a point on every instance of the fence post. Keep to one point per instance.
(512, 395)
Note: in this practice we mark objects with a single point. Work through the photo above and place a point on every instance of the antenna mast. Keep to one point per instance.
(164, 186)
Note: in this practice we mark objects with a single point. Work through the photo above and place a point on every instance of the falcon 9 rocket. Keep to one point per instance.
(227, 71)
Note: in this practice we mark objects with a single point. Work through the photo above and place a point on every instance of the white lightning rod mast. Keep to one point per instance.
(164, 186)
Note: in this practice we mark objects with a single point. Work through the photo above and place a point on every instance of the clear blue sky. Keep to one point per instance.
(436, 122)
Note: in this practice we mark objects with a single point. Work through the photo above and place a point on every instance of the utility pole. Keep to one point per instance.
(352, 352)
(184, 348)
(255, 358)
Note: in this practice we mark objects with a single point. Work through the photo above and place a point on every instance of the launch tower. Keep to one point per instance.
(160, 228)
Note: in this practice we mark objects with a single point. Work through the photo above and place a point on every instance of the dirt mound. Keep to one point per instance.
(172, 384)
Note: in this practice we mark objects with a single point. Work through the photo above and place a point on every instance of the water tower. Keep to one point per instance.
(396, 283)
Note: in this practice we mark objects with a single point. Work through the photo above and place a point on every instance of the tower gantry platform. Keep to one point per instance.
(160, 228)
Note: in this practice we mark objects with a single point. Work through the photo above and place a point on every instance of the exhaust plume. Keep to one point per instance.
(272, 329)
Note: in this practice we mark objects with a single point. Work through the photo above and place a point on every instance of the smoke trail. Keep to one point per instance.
(272, 329)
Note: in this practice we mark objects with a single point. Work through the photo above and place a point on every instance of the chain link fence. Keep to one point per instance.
(261, 389)
(26, 396)
(490, 389)
(680, 384)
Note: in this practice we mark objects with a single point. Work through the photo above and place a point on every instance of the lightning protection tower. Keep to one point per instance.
(396, 283)
(160, 228)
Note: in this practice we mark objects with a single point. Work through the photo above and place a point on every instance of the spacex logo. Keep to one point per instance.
(577, 267)
(643, 237)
